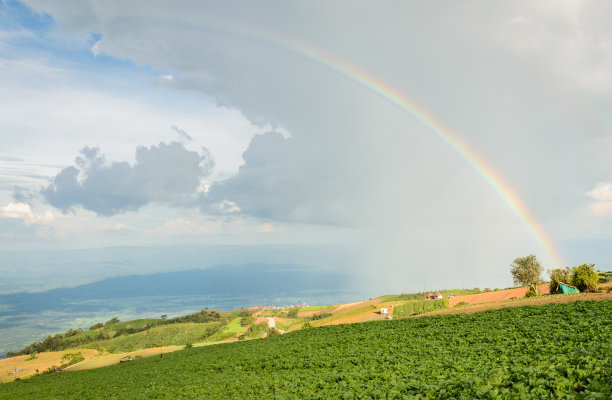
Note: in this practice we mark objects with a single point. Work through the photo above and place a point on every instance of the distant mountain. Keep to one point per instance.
(248, 280)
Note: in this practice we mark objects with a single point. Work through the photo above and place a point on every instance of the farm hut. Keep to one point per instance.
(383, 310)
(567, 289)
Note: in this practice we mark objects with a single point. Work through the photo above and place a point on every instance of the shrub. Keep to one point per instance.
(531, 292)
(557, 276)
(316, 317)
(585, 278)
(96, 326)
(113, 320)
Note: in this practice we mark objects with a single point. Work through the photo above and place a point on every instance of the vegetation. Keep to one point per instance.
(319, 316)
(527, 271)
(551, 351)
(104, 335)
(585, 278)
(557, 276)
(414, 307)
(421, 296)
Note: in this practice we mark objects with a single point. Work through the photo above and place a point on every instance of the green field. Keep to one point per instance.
(529, 352)
(414, 307)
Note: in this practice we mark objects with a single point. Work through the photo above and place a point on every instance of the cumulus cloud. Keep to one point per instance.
(24, 212)
(602, 194)
(265, 184)
(167, 174)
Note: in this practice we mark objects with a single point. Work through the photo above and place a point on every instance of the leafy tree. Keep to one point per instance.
(96, 326)
(585, 278)
(557, 276)
(527, 271)
(164, 316)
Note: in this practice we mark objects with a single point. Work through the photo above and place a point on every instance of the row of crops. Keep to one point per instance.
(414, 307)
(539, 352)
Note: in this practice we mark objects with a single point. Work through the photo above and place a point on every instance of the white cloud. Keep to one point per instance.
(164, 79)
(226, 207)
(24, 212)
(601, 209)
(118, 227)
(601, 192)
(267, 228)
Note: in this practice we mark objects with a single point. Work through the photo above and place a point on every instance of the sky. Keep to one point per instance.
(434, 141)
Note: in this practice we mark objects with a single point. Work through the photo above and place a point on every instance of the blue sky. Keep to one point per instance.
(139, 124)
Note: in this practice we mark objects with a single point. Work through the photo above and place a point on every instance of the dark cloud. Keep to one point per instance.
(276, 182)
(266, 185)
(167, 173)
(23, 195)
(181, 132)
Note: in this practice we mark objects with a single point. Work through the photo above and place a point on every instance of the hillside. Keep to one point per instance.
(108, 343)
(31, 316)
(528, 352)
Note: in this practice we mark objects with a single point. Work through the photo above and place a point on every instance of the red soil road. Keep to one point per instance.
(498, 295)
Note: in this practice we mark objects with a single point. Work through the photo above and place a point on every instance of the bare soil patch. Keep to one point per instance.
(539, 300)
(497, 295)
(20, 367)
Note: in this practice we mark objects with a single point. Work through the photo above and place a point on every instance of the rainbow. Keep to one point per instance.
(452, 139)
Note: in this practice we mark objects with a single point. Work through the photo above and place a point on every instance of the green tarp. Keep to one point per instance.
(566, 289)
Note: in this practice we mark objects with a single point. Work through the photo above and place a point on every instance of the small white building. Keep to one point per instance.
(383, 310)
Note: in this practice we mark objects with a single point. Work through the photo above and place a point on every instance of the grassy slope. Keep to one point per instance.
(164, 335)
(536, 352)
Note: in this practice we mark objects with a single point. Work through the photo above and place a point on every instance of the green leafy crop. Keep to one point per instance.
(555, 351)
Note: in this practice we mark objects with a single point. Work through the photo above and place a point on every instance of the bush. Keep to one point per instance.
(585, 278)
(531, 292)
(557, 276)
(96, 326)
(319, 316)
(111, 321)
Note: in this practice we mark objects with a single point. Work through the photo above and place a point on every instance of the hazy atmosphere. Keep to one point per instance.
(407, 144)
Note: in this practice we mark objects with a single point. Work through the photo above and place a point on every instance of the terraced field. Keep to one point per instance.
(549, 351)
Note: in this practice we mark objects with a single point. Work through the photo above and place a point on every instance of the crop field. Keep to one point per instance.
(550, 351)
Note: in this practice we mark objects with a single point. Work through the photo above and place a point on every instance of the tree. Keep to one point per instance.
(585, 278)
(557, 276)
(164, 316)
(526, 271)
(113, 320)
